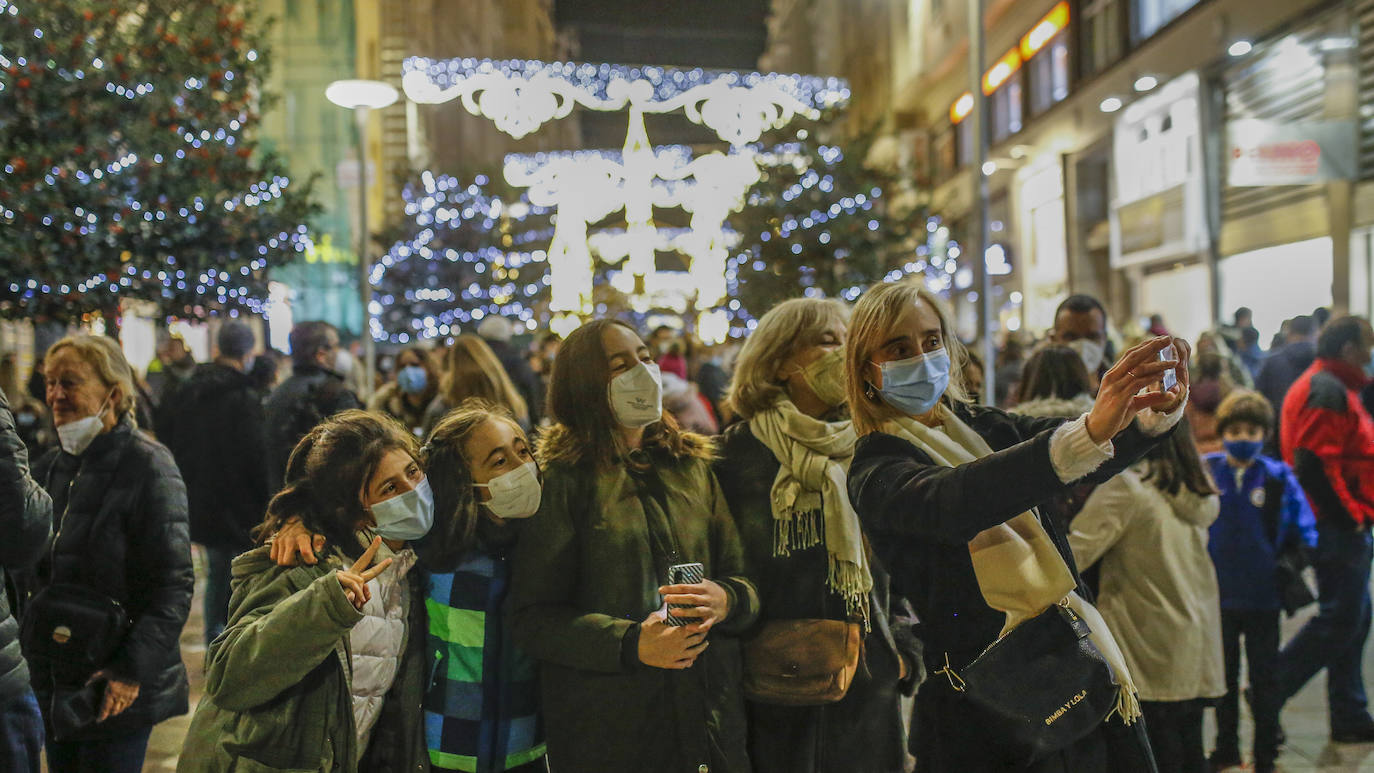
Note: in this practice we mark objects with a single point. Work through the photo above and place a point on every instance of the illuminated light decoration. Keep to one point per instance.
(587, 186)
(999, 72)
(1044, 30)
(436, 304)
(713, 326)
(520, 96)
(961, 108)
(565, 324)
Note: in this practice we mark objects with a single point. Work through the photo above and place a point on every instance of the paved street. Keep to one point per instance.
(1308, 749)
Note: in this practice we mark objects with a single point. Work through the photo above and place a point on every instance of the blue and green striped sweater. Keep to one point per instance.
(482, 702)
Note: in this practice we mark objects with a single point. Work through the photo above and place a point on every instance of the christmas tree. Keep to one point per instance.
(466, 251)
(818, 223)
(131, 166)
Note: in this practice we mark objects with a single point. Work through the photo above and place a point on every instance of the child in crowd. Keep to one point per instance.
(482, 701)
(1264, 514)
(320, 666)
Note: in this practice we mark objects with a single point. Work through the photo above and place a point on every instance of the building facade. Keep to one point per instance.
(1181, 157)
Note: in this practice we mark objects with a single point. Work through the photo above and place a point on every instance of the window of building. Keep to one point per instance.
(1006, 107)
(1103, 32)
(1049, 74)
(1151, 15)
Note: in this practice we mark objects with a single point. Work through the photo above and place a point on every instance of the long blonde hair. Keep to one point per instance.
(869, 326)
(111, 367)
(471, 369)
(786, 328)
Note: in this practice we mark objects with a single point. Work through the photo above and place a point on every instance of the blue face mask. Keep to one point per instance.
(412, 379)
(406, 516)
(914, 385)
(1243, 450)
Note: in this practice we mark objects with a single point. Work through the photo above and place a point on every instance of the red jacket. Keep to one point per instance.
(1328, 439)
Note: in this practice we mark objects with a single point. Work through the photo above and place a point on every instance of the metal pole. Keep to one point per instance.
(979, 231)
(364, 267)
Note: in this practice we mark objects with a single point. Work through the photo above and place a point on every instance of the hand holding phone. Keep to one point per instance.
(681, 574)
(1170, 379)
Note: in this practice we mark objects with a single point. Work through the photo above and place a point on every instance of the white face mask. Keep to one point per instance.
(406, 516)
(1091, 352)
(637, 396)
(76, 436)
(514, 494)
(343, 362)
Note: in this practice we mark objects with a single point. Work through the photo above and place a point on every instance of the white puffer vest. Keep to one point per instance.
(379, 639)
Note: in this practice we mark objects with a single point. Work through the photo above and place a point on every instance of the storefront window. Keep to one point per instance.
(1102, 32)
(1151, 16)
(1006, 108)
(1049, 74)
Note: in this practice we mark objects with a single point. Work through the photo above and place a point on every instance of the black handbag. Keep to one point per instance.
(72, 625)
(1042, 686)
(1290, 558)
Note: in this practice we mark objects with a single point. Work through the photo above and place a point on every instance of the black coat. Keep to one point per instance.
(864, 732)
(309, 397)
(215, 430)
(522, 375)
(1277, 373)
(26, 523)
(123, 532)
(920, 517)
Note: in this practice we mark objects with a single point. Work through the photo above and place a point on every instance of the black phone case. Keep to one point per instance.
(684, 574)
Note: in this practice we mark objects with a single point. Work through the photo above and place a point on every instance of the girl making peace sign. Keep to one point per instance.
(321, 665)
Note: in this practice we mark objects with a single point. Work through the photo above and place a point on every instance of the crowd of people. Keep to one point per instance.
(814, 550)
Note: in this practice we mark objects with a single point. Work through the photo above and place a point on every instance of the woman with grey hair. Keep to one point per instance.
(782, 470)
(120, 554)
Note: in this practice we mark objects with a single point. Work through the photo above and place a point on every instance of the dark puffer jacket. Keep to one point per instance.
(863, 732)
(215, 430)
(123, 532)
(26, 523)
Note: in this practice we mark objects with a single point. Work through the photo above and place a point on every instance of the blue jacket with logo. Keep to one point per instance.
(1262, 510)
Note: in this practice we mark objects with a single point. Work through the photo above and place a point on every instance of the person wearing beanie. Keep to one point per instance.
(215, 429)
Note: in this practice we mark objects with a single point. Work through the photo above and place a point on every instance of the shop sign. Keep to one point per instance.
(1152, 222)
(1263, 153)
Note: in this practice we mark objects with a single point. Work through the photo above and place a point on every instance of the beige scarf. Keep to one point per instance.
(1018, 568)
(811, 486)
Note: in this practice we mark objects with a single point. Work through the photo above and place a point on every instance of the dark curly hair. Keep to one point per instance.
(327, 473)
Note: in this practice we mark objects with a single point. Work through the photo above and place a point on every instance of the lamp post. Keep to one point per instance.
(361, 96)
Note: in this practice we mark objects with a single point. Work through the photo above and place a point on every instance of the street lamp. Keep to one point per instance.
(361, 96)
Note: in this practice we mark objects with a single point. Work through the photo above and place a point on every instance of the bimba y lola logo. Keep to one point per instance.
(1062, 710)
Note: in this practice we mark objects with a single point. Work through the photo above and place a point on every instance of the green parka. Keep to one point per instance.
(587, 570)
(277, 681)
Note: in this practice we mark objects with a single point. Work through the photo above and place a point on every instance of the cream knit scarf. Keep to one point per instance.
(1018, 568)
(810, 491)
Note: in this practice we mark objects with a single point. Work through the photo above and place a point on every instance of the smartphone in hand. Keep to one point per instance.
(684, 574)
(1170, 379)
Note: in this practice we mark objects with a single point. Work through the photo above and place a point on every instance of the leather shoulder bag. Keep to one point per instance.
(1042, 686)
(73, 625)
(801, 662)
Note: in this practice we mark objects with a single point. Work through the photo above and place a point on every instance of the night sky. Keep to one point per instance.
(707, 33)
(725, 34)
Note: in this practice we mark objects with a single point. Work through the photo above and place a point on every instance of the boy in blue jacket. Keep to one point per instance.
(1263, 514)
